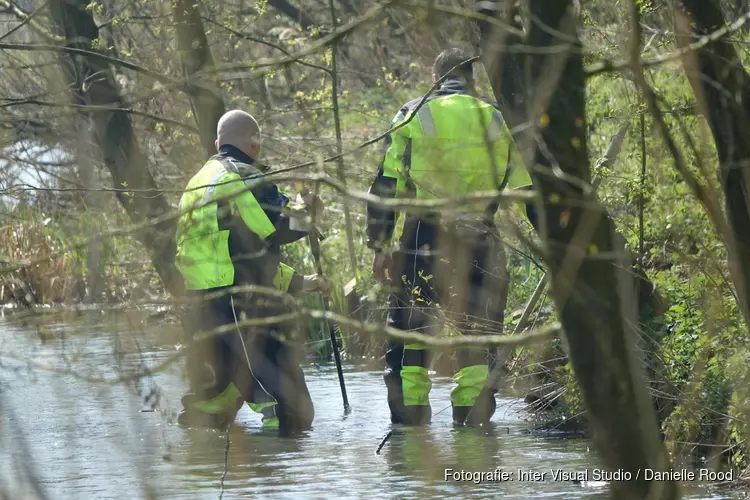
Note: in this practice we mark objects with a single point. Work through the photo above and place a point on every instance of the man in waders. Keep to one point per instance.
(230, 232)
(450, 263)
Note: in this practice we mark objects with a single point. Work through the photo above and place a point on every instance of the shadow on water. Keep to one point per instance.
(84, 439)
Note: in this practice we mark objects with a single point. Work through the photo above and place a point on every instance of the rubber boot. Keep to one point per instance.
(479, 414)
(401, 414)
(417, 415)
(191, 417)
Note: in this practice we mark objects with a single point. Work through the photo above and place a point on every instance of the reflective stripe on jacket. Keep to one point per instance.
(203, 256)
(455, 145)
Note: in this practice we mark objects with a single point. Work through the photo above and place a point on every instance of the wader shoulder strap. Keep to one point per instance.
(492, 208)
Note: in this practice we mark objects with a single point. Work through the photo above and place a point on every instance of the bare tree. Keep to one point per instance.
(542, 76)
(722, 89)
(192, 43)
(91, 82)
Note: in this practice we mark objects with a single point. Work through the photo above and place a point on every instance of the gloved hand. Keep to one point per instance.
(315, 283)
(312, 201)
(382, 267)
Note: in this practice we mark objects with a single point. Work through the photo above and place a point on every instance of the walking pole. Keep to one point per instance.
(314, 238)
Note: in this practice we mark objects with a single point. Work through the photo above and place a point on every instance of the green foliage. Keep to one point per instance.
(684, 258)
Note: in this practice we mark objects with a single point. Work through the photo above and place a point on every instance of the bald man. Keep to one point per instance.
(232, 226)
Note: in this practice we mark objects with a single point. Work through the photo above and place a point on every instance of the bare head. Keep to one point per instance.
(449, 59)
(240, 130)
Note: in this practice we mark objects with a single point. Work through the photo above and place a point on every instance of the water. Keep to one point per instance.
(82, 439)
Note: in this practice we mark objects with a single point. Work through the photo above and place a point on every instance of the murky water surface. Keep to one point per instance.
(79, 439)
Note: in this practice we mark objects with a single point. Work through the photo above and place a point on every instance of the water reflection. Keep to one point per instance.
(91, 440)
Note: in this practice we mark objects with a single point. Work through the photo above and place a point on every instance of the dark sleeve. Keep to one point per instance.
(380, 221)
(246, 248)
(531, 213)
(283, 234)
(273, 202)
(295, 286)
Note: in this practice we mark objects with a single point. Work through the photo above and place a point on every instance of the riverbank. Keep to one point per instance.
(54, 258)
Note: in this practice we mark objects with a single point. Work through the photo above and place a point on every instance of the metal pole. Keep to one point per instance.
(314, 238)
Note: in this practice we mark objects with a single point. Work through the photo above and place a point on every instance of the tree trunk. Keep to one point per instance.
(593, 293)
(722, 89)
(195, 54)
(91, 82)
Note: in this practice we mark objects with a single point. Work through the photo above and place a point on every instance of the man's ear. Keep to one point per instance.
(216, 144)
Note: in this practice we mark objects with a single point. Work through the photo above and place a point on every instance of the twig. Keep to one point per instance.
(410, 205)
(251, 38)
(407, 205)
(538, 336)
(339, 147)
(226, 463)
(28, 18)
(635, 65)
(710, 205)
(641, 196)
(25, 21)
(464, 13)
(93, 108)
(383, 441)
(114, 61)
(367, 17)
(300, 166)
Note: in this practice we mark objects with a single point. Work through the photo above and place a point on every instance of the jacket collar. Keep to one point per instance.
(454, 85)
(229, 151)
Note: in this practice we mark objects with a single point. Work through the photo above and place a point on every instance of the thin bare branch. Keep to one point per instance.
(25, 21)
